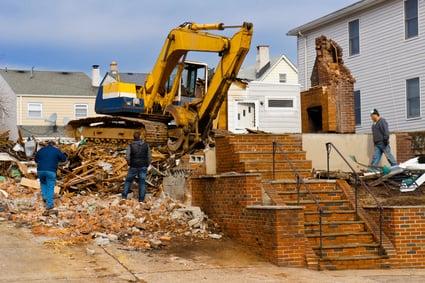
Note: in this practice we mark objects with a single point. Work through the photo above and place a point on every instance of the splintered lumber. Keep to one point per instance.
(35, 184)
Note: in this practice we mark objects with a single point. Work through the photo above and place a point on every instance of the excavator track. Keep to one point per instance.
(116, 130)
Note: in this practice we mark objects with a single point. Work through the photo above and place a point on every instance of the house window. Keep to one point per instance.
(413, 100)
(411, 18)
(81, 110)
(282, 78)
(357, 107)
(35, 110)
(281, 103)
(354, 36)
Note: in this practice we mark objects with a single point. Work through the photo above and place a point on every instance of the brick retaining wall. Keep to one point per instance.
(405, 227)
(235, 202)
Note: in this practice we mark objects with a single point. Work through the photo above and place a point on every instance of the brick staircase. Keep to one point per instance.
(253, 154)
(347, 241)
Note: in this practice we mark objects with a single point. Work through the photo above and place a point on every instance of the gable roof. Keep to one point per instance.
(334, 16)
(249, 72)
(49, 82)
(135, 78)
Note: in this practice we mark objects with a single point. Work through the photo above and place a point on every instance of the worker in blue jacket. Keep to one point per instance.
(47, 160)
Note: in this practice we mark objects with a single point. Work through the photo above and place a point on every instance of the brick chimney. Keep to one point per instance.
(263, 58)
(95, 76)
(113, 68)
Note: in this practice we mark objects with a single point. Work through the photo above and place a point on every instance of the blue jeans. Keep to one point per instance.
(380, 149)
(47, 184)
(132, 173)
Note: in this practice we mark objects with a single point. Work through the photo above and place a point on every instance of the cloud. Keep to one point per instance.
(84, 30)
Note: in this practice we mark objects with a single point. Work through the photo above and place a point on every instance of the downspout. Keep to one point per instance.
(20, 111)
(305, 60)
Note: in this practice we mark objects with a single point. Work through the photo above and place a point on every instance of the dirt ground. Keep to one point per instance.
(388, 196)
(27, 258)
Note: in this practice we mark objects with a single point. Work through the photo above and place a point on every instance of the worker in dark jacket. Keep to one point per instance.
(381, 139)
(139, 159)
(47, 160)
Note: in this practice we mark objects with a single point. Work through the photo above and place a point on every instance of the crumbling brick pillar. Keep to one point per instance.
(328, 106)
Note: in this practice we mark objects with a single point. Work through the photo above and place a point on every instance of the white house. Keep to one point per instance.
(266, 98)
(384, 47)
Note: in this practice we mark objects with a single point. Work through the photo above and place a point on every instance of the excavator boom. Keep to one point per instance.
(155, 100)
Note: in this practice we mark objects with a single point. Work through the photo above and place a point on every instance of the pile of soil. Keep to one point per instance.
(392, 197)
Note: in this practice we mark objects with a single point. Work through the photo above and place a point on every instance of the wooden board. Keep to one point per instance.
(35, 184)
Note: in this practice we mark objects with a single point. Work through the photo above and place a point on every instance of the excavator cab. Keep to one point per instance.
(194, 82)
(120, 98)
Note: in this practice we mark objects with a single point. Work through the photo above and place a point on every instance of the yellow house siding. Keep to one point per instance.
(64, 107)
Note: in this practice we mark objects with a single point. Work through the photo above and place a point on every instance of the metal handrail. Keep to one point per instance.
(358, 181)
(300, 182)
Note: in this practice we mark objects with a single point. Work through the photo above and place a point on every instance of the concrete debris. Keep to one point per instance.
(90, 251)
(4, 194)
(215, 236)
(101, 241)
(107, 219)
(155, 243)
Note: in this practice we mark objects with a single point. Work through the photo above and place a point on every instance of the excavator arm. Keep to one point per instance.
(148, 107)
(181, 40)
(192, 37)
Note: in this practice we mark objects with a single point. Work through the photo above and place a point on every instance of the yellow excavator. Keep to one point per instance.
(156, 108)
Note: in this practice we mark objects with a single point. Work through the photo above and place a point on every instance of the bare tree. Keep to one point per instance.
(4, 102)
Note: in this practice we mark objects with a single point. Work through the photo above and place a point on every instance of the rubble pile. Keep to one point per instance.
(93, 168)
(105, 219)
(89, 206)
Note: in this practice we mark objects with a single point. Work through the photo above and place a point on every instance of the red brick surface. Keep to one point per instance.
(332, 90)
(405, 227)
(288, 236)
(277, 234)
(404, 147)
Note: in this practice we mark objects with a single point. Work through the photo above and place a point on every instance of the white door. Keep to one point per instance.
(246, 115)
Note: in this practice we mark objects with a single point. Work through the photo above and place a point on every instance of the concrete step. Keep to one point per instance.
(311, 205)
(338, 238)
(264, 138)
(335, 227)
(334, 215)
(313, 185)
(348, 250)
(354, 262)
(304, 195)
(266, 146)
(280, 165)
(267, 155)
(281, 174)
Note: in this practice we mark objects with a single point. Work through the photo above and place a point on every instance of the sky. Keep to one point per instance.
(72, 35)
